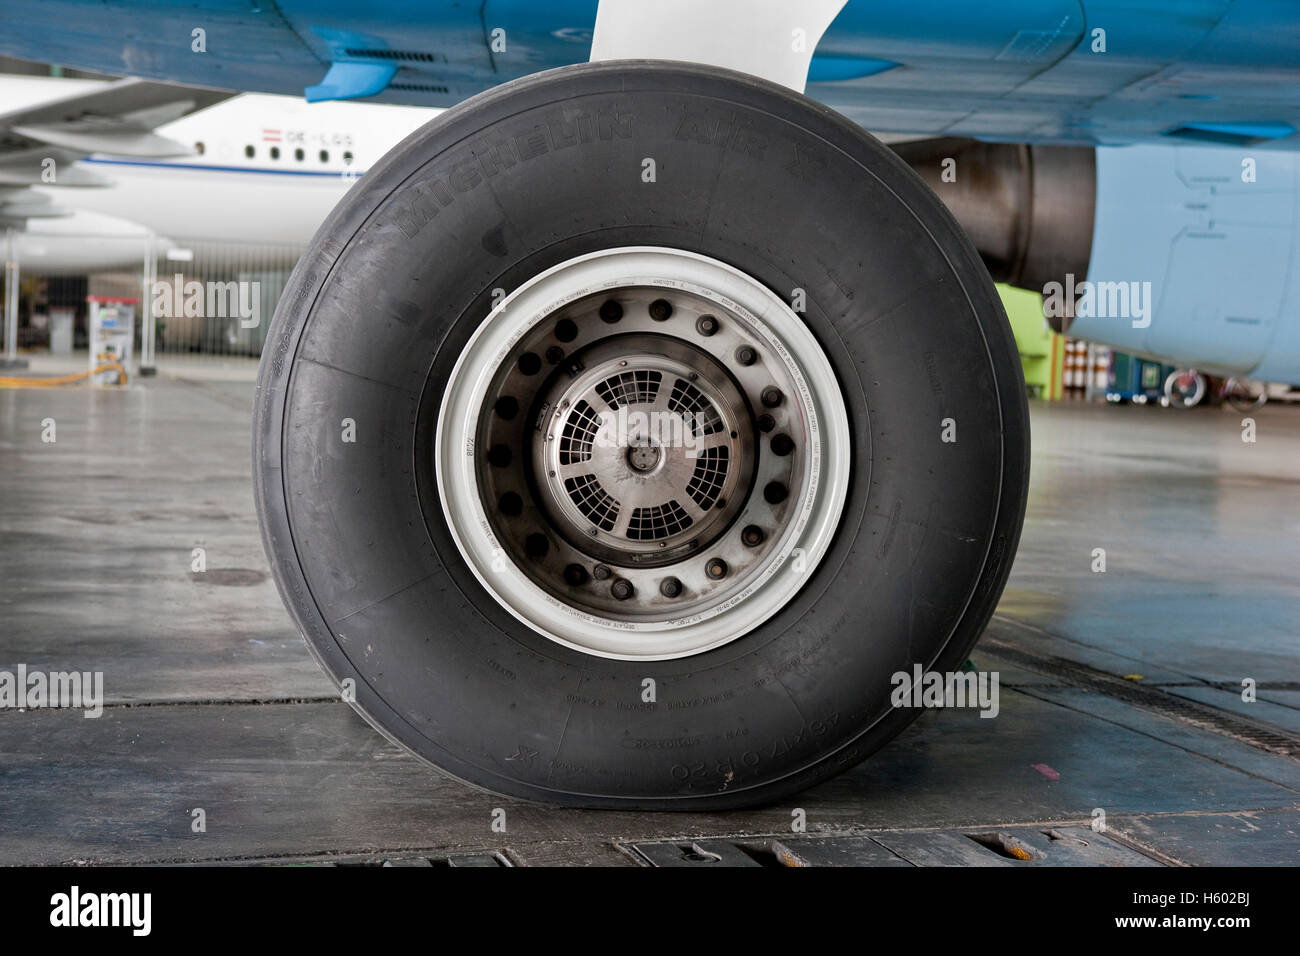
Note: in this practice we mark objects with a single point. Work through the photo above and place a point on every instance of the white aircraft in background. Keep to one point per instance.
(90, 168)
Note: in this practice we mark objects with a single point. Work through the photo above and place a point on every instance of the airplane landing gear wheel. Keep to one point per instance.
(626, 430)
(1245, 395)
(1184, 388)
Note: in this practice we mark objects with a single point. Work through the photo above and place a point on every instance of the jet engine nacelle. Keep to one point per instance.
(1181, 253)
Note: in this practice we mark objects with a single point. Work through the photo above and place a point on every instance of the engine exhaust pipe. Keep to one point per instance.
(1028, 209)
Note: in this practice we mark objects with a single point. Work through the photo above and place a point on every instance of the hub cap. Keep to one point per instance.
(642, 453)
(647, 448)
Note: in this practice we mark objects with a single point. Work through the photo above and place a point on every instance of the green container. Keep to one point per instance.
(1042, 351)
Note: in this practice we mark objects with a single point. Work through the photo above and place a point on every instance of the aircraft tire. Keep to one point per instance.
(440, 604)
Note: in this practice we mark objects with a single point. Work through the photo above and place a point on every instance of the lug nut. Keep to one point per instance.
(621, 589)
(782, 444)
(601, 573)
(716, 569)
(752, 535)
(554, 354)
(670, 587)
(706, 325)
(771, 396)
(575, 575)
(660, 310)
(745, 355)
(611, 311)
(766, 423)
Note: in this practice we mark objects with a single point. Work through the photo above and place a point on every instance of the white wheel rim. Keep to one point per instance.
(797, 548)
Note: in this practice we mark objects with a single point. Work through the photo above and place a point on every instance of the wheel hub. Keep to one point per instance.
(644, 457)
(634, 462)
(646, 451)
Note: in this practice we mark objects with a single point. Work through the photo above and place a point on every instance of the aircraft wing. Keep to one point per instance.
(40, 144)
(1078, 72)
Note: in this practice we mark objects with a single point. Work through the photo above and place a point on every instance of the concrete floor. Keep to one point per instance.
(1122, 690)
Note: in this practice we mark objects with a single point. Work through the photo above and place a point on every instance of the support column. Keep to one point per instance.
(11, 359)
(148, 330)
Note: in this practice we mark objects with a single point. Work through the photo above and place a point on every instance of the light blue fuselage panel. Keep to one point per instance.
(1214, 233)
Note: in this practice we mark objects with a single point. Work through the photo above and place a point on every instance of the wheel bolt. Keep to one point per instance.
(752, 535)
(766, 423)
(706, 325)
(601, 573)
(774, 492)
(670, 587)
(771, 396)
(554, 354)
(575, 575)
(660, 310)
(716, 569)
(782, 444)
(611, 311)
(621, 589)
(745, 355)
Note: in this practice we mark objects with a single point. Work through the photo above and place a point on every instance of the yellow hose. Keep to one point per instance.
(19, 382)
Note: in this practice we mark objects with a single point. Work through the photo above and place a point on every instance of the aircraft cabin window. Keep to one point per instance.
(198, 148)
(275, 152)
(249, 151)
(298, 154)
(324, 155)
(347, 157)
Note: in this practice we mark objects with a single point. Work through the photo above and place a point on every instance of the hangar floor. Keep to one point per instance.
(1122, 690)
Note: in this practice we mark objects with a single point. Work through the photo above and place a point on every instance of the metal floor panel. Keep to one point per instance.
(1118, 689)
(1021, 846)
